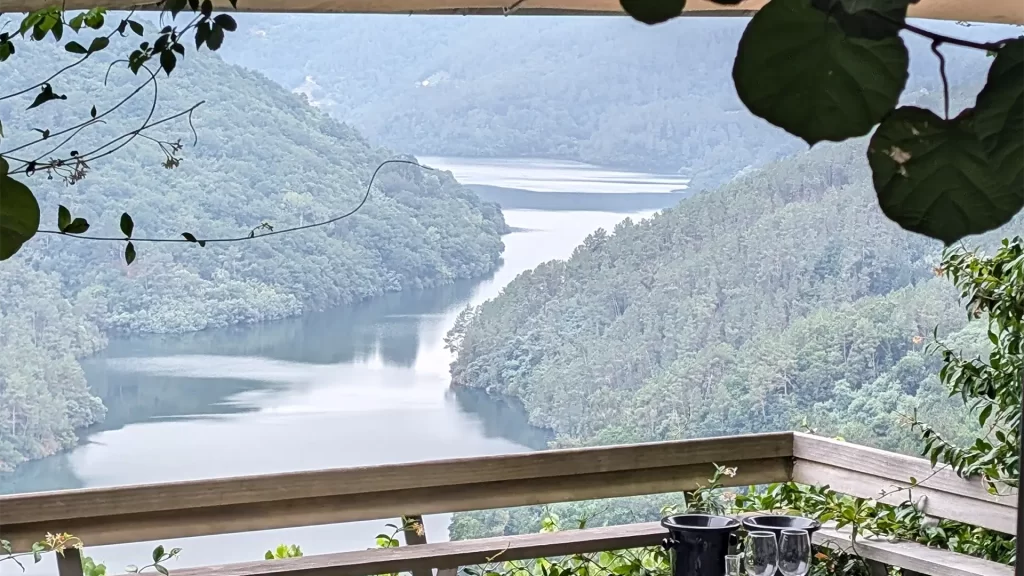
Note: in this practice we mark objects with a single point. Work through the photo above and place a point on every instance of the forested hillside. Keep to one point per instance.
(608, 91)
(785, 297)
(263, 155)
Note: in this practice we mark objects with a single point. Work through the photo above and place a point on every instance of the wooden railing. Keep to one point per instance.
(242, 504)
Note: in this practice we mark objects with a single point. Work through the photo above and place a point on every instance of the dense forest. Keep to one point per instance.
(607, 91)
(783, 298)
(263, 155)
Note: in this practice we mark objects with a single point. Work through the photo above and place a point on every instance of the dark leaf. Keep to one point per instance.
(202, 33)
(30, 168)
(127, 226)
(932, 176)
(76, 48)
(174, 6)
(58, 30)
(160, 568)
(45, 95)
(207, 8)
(77, 226)
(226, 22)
(874, 19)
(94, 18)
(216, 38)
(999, 114)
(202, 243)
(158, 553)
(92, 112)
(799, 71)
(44, 133)
(136, 27)
(167, 61)
(129, 253)
(234, 3)
(188, 236)
(179, 49)
(193, 4)
(19, 213)
(122, 27)
(161, 43)
(98, 43)
(63, 218)
(653, 11)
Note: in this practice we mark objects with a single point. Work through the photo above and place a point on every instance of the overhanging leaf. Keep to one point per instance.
(19, 213)
(215, 38)
(75, 48)
(653, 11)
(797, 69)
(999, 114)
(45, 95)
(932, 176)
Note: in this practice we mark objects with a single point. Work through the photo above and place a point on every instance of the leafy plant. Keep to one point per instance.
(830, 70)
(283, 551)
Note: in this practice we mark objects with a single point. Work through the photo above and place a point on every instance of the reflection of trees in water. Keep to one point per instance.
(502, 418)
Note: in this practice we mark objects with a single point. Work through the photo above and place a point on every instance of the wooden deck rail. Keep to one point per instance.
(241, 504)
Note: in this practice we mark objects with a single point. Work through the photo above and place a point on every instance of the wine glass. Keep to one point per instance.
(761, 553)
(795, 553)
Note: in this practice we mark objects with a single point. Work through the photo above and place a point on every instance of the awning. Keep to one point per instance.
(1004, 11)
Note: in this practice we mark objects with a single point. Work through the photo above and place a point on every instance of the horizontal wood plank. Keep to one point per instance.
(136, 527)
(912, 556)
(446, 554)
(867, 472)
(262, 489)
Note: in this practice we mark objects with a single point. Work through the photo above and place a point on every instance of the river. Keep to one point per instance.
(355, 385)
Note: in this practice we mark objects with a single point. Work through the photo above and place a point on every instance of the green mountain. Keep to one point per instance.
(262, 155)
(781, 298)
(609, 91)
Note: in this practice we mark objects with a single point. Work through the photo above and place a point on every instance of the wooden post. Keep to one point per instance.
(70, 562)
(415, 533)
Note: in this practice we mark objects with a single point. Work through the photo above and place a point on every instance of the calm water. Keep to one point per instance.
(358, 385)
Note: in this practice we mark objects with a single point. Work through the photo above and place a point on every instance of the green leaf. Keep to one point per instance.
(999, 114)
(75, 48)
(77, 226)
(798, 70)
(875, 19)
(226, 22)
(98, 43)
(653, 11)
(188, 236)
(19, 213)
(215, 38)
(45, 95)
(129, 257)
(127, 225)
(206, 8)
(932, 176)
(136, 27)
(63, 218)
(269, 555)
(92, 112)
(76, 22)
(160, 568)
(985, 413)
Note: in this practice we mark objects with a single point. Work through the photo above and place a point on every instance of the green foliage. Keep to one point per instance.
(91, 568)
(283, 551)
(993, 288)
(19, 213)
(734, 312)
